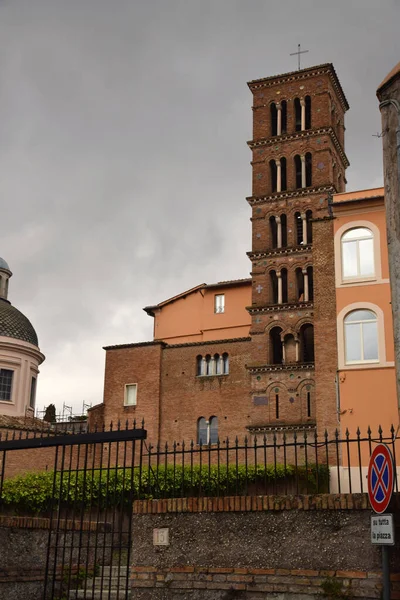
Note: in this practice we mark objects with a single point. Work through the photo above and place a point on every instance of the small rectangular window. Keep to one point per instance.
(219, 303)
(32, 398)
(130, 394)
(6, 377)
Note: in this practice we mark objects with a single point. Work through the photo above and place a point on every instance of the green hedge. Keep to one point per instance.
(33, 492)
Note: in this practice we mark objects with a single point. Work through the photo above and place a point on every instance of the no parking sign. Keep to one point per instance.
(380, 478)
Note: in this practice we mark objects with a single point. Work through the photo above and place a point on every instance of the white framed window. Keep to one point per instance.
(361, 337)
(207, 431)
(219, 303)
(6, 381)
(212, 365)
(358, 260)
(130, 398)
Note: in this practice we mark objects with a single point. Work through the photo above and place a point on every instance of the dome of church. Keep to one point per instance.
(3, 264)
(15, 325)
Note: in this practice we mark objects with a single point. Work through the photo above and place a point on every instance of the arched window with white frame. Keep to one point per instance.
(357, 246)
(361, 337)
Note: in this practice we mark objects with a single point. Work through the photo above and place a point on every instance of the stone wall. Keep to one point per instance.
(257, 547)
(23, 553)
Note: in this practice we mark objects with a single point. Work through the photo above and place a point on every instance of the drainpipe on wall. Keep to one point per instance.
(389, 96)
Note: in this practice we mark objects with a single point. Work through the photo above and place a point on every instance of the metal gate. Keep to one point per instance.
(86, 494)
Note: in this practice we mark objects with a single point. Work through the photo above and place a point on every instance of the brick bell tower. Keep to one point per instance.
(298, 162)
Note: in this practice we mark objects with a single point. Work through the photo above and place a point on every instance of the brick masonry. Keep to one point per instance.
(171, 397)
(257, 547)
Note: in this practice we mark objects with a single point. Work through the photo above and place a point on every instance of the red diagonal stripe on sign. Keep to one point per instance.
(379, 474)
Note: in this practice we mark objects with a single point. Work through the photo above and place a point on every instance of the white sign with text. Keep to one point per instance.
(382, 530)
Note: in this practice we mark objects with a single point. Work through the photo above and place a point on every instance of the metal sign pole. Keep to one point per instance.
(380, 488)
(385, 573)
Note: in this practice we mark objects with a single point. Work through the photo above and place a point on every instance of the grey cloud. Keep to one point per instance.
(123, 162)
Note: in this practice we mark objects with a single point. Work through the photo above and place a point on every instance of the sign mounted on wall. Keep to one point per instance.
(380, 478)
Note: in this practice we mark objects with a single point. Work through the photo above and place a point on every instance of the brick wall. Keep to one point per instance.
(325, 331)
(140, 364)
(251, 547)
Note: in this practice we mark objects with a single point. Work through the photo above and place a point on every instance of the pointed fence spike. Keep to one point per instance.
(127, 424)
(134, 423)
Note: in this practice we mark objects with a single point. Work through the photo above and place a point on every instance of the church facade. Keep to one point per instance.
(264, 354)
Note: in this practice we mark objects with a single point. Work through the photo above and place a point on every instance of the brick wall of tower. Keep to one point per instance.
(294, 383)
(322, 153)
(327, 109)
(325, 325)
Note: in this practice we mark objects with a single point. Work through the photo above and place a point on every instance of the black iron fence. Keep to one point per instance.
(85, 485)
(286, 462)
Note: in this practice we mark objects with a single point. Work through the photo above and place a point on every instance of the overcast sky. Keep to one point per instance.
(123, 159)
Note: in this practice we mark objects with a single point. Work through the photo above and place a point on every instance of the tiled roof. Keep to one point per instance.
(395, 72)
(24, 423)
(232, 282)
(14, 324)
(165, 345)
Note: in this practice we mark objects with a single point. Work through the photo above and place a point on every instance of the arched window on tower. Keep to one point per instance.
(273, 174)
(275, 346)
(284, 116)
(298, 228)
(283, 175)
(310, 283)
(284, 276)
(307, 343)
(308, 112)
(274, 232)
(297, 168)
(308, 169)
(309, 226)
(274, 287)
(274, 119)
(299, 285)
(297, 114)
(284, 231)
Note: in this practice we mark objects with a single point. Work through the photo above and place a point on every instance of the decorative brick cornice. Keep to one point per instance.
(329, 190)
(325, 69)
(17, 522)
(295, 427)
(279, 252)
(253, 504)
(253, 310)
(307, 133)
(209, 342)
(274, 368)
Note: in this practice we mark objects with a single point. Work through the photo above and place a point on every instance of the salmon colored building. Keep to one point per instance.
(366, 373)
(205, 312)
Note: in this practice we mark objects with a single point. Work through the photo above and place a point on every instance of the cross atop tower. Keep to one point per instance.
(299, 51)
